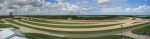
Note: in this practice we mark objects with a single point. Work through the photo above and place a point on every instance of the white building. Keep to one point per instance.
(10, 33)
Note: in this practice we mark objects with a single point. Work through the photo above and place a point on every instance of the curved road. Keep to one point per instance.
(126, 33)
(79, 29)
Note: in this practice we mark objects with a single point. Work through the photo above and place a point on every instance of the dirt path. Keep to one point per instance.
(24, 29)
(80, 29)
(136, 36)
(130, 34)
(30, 30)
(105, 23)
(71, 21)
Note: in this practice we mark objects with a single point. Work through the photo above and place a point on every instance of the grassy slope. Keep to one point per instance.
(7, 26)
(54, 22)
(1, 21)
(81, 17)
(143, 31)
(63, 26)
(71, 32)
(42, 36)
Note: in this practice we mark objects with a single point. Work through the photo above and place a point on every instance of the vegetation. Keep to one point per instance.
(143, 31)
(71, 26)
(1, 22)
(11, 21)
(42, 36)
(79, 17)
(144, 17)
(53, 22)
(57, 21)
(7, 26)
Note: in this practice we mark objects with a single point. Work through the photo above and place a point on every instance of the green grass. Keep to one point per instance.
(71, 26)
(1, 22)
(41, 29)
(42, 36)
(53, 22)
(81, 17)
(143, 31)
(56, 22)
(144, 17)
(7, 26)
(54, 31)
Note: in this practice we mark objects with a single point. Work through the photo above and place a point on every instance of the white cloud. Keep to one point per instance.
(103, 1)
(140, 10)
(121, 7)
(70, 7)
(65, 6)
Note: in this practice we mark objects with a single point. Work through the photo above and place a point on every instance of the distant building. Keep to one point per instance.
(10, 33)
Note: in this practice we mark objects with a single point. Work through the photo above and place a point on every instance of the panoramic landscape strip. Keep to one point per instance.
(47, 28)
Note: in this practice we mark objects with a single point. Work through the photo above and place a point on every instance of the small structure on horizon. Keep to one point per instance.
(11, 14)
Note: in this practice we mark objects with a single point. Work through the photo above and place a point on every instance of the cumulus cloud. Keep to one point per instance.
(122, 7)
(21, 3)
(70, 8)
(140, 10)
(7, 6)
(103, 1)
(41, 6)
(66, 6)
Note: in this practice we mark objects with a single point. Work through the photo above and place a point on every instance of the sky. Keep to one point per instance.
(125, 7)
(75, 7)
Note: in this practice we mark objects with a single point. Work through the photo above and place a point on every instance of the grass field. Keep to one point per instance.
(1, 22)
(58, 31)
(71, 24)
(42, 36)
(143, 31)
(56, 21)
(7, 26)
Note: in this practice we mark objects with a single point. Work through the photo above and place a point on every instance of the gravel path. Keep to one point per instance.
(103, 23)
(136, 36)
(80, 29)
(71, 21)
(126, 33)
(130, 34)
(30, 30)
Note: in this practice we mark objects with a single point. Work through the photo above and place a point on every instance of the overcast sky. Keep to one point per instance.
(75, 7)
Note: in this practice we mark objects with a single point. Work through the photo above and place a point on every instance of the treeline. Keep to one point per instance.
(144, 17)
(79, 17)
(84, 17)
